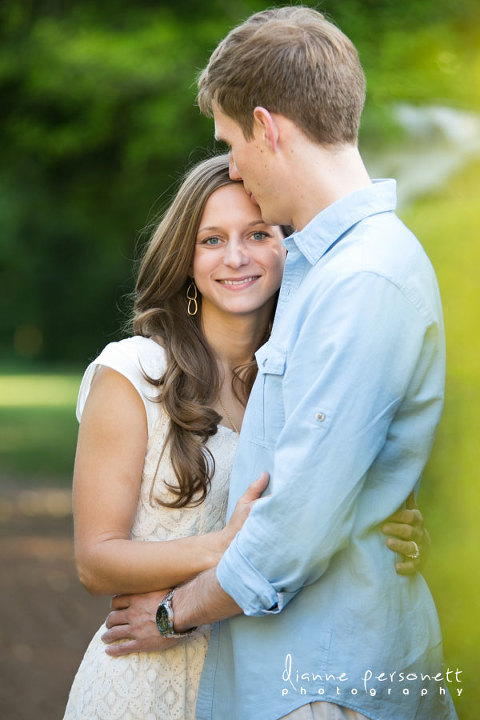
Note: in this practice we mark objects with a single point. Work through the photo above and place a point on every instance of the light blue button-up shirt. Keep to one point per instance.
(342, 414)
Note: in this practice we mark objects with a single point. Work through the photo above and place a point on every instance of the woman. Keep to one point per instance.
(160, 414)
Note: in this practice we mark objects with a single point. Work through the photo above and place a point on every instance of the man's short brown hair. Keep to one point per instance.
(294, 62)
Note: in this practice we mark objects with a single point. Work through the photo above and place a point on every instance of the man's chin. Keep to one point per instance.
(266, 215)
(270, 219)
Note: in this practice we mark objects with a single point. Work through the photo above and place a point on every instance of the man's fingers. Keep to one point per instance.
(120, 602)
(118, 632)
(150, 644)
(124, 648)
(116, 617)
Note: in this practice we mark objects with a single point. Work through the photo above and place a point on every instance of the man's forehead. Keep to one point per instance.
(225, 126)
(218, 120)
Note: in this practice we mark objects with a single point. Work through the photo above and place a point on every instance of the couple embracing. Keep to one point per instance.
(282, 276)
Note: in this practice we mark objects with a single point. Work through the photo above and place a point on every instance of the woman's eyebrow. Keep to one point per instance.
(210, 228)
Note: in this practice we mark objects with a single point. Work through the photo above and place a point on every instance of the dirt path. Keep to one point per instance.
(46, 617)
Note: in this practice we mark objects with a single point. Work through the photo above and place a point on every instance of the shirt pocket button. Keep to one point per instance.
(319, 416)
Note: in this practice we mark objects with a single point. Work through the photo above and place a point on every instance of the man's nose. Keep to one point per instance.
(232, 168)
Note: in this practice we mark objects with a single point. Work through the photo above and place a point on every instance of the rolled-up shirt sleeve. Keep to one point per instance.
(364, 346)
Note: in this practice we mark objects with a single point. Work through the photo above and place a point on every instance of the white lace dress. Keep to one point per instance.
(163, 685)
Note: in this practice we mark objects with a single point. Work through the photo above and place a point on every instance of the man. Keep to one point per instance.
(342, 414)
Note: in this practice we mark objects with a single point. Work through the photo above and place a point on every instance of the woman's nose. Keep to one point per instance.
(235, 254)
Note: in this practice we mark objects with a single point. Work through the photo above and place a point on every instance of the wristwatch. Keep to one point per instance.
(164, 619)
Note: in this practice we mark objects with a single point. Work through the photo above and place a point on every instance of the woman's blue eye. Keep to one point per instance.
(259, 235)
(212, 241)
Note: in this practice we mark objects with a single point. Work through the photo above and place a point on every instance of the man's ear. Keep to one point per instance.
(265, 127)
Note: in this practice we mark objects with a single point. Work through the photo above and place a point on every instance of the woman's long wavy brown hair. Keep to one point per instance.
(191, 383)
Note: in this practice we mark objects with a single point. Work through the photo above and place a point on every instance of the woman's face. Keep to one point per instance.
(238, 261)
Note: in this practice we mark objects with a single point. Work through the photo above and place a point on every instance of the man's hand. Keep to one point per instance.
(132, 620)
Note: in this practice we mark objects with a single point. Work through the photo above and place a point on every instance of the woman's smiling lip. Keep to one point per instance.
(238, 283)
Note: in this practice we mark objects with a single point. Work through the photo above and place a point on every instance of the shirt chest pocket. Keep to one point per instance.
(271, 370)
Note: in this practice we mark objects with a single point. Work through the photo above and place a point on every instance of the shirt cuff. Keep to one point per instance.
(247, 586)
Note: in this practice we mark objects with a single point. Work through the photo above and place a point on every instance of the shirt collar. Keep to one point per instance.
(315, 239)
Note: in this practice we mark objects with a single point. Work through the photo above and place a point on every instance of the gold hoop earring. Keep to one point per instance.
(192, 307)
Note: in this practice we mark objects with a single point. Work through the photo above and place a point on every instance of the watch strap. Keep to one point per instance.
(165, 621)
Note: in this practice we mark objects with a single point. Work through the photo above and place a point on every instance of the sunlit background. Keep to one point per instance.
(97, 121)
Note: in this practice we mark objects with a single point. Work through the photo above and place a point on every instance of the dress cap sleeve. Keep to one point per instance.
(133, 358)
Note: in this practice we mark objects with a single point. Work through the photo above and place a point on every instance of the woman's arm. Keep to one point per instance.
(109, 462)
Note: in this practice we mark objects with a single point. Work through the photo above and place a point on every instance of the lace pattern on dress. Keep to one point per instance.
(163, 685)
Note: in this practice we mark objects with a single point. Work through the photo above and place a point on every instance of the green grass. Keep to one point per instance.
(448, 225)
(38, 427)
(38, 390)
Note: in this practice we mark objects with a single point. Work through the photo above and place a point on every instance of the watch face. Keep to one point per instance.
(163, 623)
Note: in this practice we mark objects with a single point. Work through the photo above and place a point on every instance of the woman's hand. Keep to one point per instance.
(243, 507)
(409, 536)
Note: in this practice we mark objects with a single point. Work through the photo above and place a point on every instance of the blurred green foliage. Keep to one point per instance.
(37, 445)
(38, 427)
(448, 223)
(97, 121)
